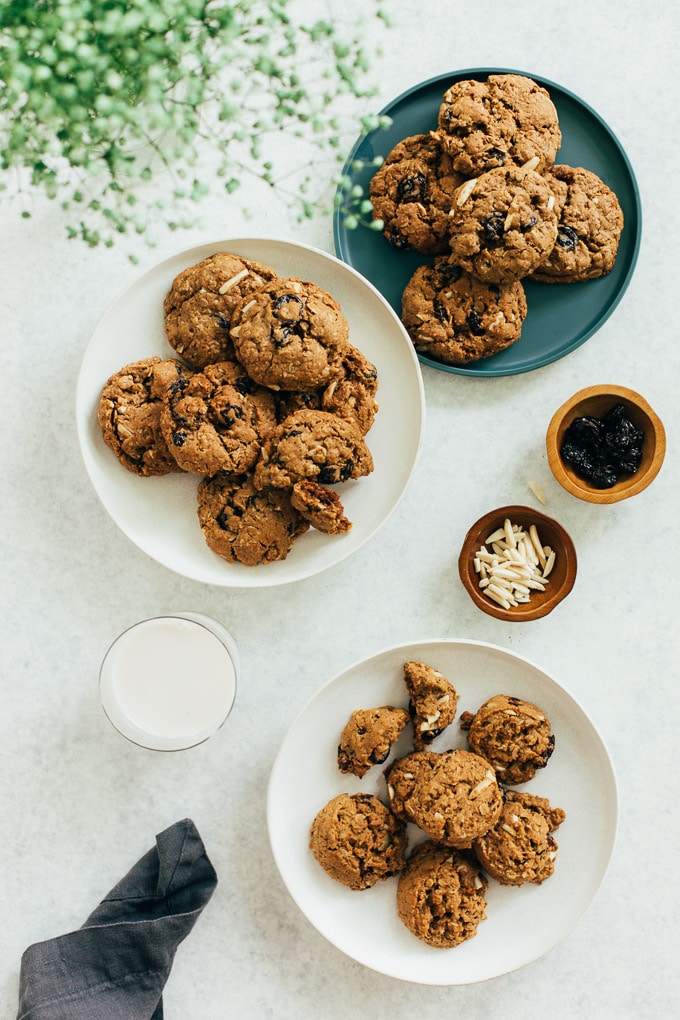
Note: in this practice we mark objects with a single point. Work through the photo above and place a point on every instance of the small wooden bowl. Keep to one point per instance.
(550, 532)
(596, 401)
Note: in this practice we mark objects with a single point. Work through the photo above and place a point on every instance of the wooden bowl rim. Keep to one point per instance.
(634, 483)
(542, 604)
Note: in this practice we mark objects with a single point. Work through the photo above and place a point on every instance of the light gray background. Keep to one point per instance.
(80, 804)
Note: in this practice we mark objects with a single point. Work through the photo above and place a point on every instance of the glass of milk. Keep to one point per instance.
(169, 682)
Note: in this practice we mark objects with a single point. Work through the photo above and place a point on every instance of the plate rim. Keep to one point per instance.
(402, 647)
(472, 72)
(261, 578)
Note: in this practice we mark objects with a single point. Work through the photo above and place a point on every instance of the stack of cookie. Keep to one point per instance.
(268, 402)
(471, 826)
(482, 193)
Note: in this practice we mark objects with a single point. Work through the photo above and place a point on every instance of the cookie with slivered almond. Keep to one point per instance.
(513, 735)
(455, 318)
(521, 848)
(506, 120)
(453, 797)
(312, 444)
(503, 223)
(289, 334)
(201, 301)
(432, 702)
(590, 222)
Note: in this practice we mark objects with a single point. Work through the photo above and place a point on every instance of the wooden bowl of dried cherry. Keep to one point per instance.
(605, 444)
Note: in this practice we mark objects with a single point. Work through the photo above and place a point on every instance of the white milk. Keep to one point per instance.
(168, 683)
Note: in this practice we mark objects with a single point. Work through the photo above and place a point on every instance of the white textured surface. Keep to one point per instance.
(80, 804)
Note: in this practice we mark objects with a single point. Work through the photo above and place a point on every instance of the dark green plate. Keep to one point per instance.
(561, 316)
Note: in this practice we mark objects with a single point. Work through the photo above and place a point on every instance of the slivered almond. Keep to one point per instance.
(476, 790)
(465, 191)
(516, 564)
(538, 492)
(228, 284)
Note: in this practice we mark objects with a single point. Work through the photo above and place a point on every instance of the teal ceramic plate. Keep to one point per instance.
(561, 316)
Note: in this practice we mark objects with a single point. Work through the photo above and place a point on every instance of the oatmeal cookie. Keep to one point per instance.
(503, 224)
(453, 796)
(514, 736)
(506, 120)
(412, 194)
(456, 318)
(288, 335)
(404, 775)
(441, 895)
(200, 304)
(320, 506)
(245, 525)
(350, 392)
(368, 736)
(129, 413)
(357, 840)
(312, 444)
(520, 848)
(217, 420)
(432, 702)
(590, 221)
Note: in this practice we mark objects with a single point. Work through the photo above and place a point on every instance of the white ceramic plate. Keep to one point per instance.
(522, 923)
(159, 514)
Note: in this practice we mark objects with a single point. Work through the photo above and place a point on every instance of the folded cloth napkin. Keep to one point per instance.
(115, 967)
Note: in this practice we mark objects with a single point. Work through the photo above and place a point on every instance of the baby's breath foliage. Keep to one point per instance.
(127, 111)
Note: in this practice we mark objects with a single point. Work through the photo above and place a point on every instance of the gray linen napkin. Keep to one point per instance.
(115, 967)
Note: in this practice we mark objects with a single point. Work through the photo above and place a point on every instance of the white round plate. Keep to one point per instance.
(160, 514)
(522, 923)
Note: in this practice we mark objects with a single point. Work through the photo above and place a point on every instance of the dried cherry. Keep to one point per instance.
(600, 449)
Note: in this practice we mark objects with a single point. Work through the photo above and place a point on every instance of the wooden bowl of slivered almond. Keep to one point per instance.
(517, 563)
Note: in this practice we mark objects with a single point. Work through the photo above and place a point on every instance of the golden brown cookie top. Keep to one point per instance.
(243, 524)
(351, 389)
(457, 800)
(312, 444)
(513, 735)
(321, 506)
(506, 120)
(357, 840)
(453, 796)
(590, 221)
(129, 412)
(288, 335)
(412, 193)
(503, 224)
(404, 775)
(441, 895)
(520, 848)
(200, 304)
(217, 420)
(455, 318)
(367, 738)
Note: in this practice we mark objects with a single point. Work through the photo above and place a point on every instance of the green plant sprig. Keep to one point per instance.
(101, 98)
